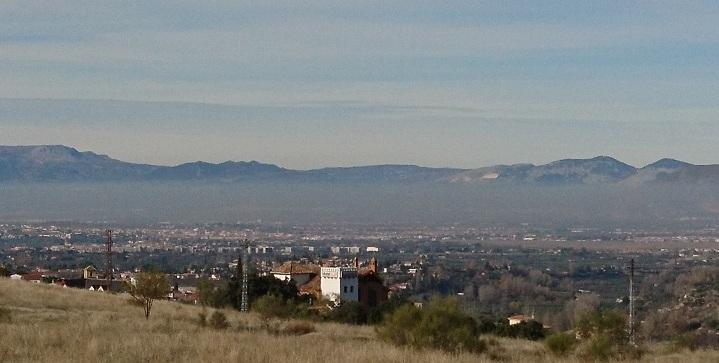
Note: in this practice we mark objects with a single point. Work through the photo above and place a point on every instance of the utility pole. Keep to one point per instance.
(631, 302)
(108, 259)
(244, 305)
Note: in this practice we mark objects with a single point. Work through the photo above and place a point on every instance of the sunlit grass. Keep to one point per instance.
(51, 324)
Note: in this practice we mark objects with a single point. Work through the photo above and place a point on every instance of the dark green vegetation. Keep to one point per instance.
(561, 343)
(441, 325)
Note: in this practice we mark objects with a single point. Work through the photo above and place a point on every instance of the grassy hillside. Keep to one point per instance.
(43, 323)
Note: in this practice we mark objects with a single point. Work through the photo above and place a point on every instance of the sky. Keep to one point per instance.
(307, 84)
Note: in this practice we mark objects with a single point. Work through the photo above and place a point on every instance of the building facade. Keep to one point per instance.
(339, 283)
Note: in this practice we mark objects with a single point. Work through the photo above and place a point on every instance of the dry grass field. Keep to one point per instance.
(43, 323)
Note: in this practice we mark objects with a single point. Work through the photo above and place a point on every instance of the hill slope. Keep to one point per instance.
(51, 324)
(61, 163)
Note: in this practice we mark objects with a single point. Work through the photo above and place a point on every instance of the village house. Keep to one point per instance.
(348, 283)
(518, 319)
(34, 277)
(297, 272)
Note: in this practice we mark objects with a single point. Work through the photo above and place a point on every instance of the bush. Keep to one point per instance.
(606, 334)
(5, 316)
(275, 306)
(599, 348)
(202, 318)
(299, 328)
(713, 324)
(441, 325)
(531, 330)
(561, 343)
(218, 320)
(398, 327)
(686, 341)
(375, 315)
(611, 324)
(349, 312)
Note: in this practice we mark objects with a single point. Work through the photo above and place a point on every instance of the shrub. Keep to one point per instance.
(218, 320)
(611, 324)
(606, 333)
(599, 348)
(441, 325)
(5, 316)
(275, 306)
(299, 328)
(202, 318)
(398, 327)
(561, 343)
(349, 312)
(713, 324)
(682, 342)
(375, 315)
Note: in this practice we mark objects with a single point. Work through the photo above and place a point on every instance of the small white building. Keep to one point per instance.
(518, 319)
(339, 283)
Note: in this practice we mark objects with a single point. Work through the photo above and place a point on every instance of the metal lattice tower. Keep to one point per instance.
(631, 302)
(108, 258)
(245, 304)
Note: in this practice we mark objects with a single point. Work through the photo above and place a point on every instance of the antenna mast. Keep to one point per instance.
(244, 305)
(631, 302)
(108, 259)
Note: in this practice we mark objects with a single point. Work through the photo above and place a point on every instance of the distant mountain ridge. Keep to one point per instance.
(58, 163)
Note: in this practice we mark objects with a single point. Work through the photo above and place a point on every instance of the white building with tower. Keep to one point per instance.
(339, 283)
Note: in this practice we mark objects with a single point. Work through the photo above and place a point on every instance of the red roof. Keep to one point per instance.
(33, 276)
(296, 268)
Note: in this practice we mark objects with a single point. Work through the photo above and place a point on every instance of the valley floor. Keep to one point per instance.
(43, 323)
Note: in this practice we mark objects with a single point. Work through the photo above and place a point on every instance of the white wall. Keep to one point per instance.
(300, 279)
(340, 282)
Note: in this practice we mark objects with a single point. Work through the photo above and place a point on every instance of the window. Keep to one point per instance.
(345, 289)
(352, 289)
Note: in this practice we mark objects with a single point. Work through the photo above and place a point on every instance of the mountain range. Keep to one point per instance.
(57, 163)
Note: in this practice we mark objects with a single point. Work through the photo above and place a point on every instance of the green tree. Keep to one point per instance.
(258, 286)
(148, 287)
(4, 272)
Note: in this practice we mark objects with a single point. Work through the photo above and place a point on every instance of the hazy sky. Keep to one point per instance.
(318, 83)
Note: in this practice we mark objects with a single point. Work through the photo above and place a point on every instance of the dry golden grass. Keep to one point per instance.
(51, 324)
